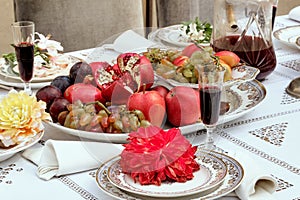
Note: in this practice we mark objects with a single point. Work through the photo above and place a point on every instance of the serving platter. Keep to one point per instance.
(211, 174)
(232, 180)
(28, 142)
(288, 35)
(242, 98)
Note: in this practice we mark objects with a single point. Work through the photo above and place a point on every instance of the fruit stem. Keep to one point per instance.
(101, 105)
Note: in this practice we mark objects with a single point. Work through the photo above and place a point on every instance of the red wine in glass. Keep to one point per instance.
(25, 56)
(252, 51)
(210, 98)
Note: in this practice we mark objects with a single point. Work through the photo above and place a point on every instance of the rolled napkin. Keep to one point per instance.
(294, 14)
(66, 157)
(131, 41)
(257, 184)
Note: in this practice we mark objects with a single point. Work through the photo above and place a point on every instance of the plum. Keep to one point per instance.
(59, 105)
(47, 94)
(61, 82)
(79, 71)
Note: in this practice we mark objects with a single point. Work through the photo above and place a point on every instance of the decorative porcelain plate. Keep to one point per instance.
(288, 35)
(211, 174)
(242, 98)
(40, 73)
(172, 35)
(9, 152)
(232, 180)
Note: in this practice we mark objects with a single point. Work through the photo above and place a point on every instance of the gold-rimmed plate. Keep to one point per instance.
(232, 180)
(288, 35)
(211, 174)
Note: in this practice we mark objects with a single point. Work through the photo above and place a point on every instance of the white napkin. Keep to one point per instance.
(66, 157)
(257, 184)
(294, 14)
(131, 41)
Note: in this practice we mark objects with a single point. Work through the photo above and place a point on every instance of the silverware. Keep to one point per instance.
(293, 88)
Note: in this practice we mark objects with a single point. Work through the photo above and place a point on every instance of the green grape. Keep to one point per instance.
(118, 125)
(187, 73)
(85, 119)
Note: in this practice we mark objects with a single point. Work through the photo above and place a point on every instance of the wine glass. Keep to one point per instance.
(23, 37)
(210, 80)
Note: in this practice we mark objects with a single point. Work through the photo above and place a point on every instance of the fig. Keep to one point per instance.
(47, 94)
(59, 105)
(79, 71)
(61, 82)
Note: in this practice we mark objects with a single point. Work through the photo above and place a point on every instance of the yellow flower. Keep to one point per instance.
(21, 117)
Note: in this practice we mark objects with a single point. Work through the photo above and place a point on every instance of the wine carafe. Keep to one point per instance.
(245, 28)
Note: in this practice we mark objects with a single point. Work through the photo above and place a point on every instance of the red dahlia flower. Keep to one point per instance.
(154, 155)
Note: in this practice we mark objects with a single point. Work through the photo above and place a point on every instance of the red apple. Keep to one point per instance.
(151, 103)
(228, 57)
(183, 106)
(180, 60)
(86, 93)
(190, 49)
(163, 91)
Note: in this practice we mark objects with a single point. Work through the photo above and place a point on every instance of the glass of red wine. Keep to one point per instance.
(23, 37)
(210, 80)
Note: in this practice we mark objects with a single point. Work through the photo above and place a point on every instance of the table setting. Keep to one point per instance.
(251, 154)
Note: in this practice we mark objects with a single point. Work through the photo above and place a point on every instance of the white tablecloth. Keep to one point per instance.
(269, 134)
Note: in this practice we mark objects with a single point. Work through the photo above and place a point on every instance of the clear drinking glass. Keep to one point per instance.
(23, 37)
(210, 79)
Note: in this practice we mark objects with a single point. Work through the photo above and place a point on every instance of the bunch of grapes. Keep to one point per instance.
(164, 66)
(95, 117)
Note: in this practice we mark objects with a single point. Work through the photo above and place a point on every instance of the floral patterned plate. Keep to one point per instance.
(9, 152)
(211, 174)
(232, 180)
(288, 35)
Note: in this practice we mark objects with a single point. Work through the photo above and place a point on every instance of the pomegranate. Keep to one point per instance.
(128, 75)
